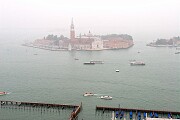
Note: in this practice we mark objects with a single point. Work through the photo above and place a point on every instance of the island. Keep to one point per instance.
(83, 42)
(172, 42)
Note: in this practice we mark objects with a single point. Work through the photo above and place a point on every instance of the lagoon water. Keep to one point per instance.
(55, 77)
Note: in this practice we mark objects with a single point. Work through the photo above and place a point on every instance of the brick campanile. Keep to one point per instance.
(72, 32)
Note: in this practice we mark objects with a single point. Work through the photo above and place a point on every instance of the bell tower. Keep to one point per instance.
(72, 32)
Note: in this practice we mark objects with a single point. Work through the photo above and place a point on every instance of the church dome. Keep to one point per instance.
(89, 34)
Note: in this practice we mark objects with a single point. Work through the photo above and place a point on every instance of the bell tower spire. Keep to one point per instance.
(72, 31)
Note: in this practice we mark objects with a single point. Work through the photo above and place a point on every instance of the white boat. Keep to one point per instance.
(133, 63)
(89, 63)
(177, 52)
(106, 97)
(97, 61)
(113, 117)
(88, 94)
(3, 93)
(117, 70)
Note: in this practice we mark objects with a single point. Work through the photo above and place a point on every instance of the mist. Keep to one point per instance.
(144, 20)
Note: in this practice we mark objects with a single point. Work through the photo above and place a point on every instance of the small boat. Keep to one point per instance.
(88, 94)
(130, 114)
(177, 52)
(97, 62)
(151, 114)
(117, 114)
(169, 116)
(156, 115)
(144, 114)
(113, 118)
(117, 70)
(89, 63)
(139, 116)
(76, 59)
(177, 116)
(106, 97)
(3, 93)
(134, 63)
(121, 114)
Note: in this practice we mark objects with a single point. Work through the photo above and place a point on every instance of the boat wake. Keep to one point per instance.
(8, 93)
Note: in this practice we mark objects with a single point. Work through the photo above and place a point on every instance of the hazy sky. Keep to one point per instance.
(143, 19)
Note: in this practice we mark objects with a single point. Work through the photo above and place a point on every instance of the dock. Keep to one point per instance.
(150, 114)
(73, 116)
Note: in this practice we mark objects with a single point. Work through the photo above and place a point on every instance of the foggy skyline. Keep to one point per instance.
(143, 20)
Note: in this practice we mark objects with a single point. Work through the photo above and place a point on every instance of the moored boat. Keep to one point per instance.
(130, 114)
(3, 93)
(121, 114)
(113, 118)
(106, 97)
(117, 114)
(89, 63)
(88, 94)
(134, 63)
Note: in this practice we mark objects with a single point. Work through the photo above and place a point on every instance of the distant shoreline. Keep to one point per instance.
(56, 48)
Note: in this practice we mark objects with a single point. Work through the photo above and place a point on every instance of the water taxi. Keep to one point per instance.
(106, 97)
(97, 61)
(88, 94)
(134, 63)
(89, 63)
(3, 93)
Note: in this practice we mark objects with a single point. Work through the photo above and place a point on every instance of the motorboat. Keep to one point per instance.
(117, 70)
(88, 94)
(97, 61)
(106, 97)
(177, 52)
(3, 93)
(76, 59)
(89, 63)
(134, 63)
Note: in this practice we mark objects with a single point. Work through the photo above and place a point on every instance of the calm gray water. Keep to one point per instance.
(55, 77)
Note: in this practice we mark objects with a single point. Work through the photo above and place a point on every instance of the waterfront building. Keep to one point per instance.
(43, 43)
(117, 43)
(82, 42)
(85, 42)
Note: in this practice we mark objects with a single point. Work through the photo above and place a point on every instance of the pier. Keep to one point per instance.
(75, 113)
(73, 116)
(148, 114)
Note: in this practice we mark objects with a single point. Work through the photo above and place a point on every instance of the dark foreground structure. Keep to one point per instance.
(130, 113)
(126, 113)
(73, 116)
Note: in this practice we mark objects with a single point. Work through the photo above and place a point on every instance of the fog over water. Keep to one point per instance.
(144, 20)
(38, 75)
